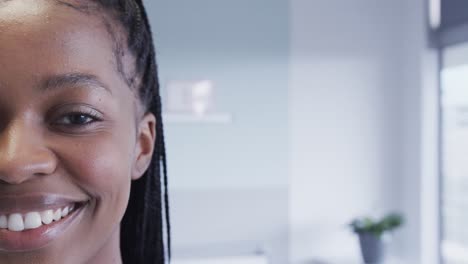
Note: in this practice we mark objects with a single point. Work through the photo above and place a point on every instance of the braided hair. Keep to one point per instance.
(142, 237)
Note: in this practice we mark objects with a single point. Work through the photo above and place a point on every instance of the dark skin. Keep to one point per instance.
(44, 147)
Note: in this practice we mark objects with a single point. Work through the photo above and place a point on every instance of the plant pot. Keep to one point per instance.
(372, 248)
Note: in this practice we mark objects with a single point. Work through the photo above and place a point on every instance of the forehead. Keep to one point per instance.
(46, 15)
(41, 37)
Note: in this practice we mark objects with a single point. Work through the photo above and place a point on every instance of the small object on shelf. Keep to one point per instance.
(193, 101)
(190, 97)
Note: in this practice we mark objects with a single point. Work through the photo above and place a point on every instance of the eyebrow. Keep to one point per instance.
(83, 8)
(72, 80)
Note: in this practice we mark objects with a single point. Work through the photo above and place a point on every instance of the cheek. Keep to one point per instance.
(100, 165)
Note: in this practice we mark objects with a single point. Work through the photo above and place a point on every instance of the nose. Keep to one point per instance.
(23, 155)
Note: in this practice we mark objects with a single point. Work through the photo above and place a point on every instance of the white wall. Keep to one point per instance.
(356, 85)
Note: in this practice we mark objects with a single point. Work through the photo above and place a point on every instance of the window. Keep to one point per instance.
(454, 147)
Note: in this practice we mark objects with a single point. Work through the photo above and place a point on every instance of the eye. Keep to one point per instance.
(78, 119)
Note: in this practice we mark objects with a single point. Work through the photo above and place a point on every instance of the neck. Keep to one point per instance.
(110, 253)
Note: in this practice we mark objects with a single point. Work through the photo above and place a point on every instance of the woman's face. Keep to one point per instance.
(71, 138)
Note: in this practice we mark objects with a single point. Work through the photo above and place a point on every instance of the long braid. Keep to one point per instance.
(142, 239)
(157, 108)
(161, 147)
(150, 80)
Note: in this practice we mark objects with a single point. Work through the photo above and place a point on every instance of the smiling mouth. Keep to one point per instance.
(18, 222)
(31, 221)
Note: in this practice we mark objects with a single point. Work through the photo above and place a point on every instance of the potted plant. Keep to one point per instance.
(371, 232)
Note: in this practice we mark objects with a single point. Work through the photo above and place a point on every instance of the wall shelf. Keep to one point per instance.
(212, 118)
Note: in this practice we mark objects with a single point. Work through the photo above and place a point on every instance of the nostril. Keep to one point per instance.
(17, 168)
(4, 120)
(23, 153)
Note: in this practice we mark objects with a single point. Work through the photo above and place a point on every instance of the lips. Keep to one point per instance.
(29, 222)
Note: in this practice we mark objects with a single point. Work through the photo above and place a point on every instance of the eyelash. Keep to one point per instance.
(89, 114)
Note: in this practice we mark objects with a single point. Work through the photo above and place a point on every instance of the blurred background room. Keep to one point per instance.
(286, 120)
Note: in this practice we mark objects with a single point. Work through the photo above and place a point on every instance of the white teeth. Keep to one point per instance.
(32, 220)
(18, 222)
(47, 217)
(3, 221)
(57, 214)
(65, 211)
(15, 222)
